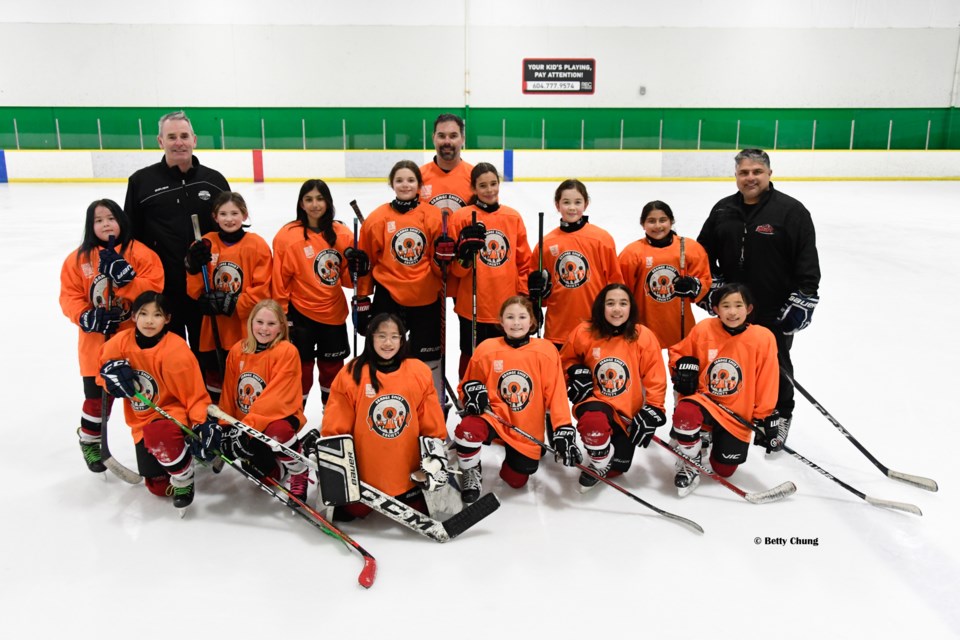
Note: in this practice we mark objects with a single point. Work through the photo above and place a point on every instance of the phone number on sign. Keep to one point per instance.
(553, 86)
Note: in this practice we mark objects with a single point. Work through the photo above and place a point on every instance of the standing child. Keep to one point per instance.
(262, 389)
(733, 363)
(239, 266)
(497, 244)
(158, 364)
(579, 259)
(665, 271)
(308, 279)
(385, 401)
(98, 283)
(527, 380)
(617, 382)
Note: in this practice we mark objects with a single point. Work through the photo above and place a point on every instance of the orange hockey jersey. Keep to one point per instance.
(580, 264)
(740, 372)
(259, 388)
(311, 274)
(446, 190)
(400, 246)
(83, 287)
(650, 271)
(502, 265)
(626, 375)
(167, 374)
(523, 384)
(386, 425)
(243, 268)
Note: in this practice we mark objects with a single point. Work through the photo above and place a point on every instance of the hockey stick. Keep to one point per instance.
(540, 270)
(443, 316)
(473, 315)
(453, 396)
(354, 275)
(683, 306)
(888, 504)
(380, 501)
(369, 571)
(218, 349)
(666, 514)
(356, 210)
(917, 481)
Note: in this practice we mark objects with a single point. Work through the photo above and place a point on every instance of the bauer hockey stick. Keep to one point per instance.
(887, 504)
(369, 572)
(917, 481)
(666, 514)
(380, 501)
(217, 346)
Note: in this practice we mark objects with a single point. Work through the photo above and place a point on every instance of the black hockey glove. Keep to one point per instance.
(358, 262)
(434, 463)
(218, 303)
(539, 284)
(308, 443)
(476, 401)
(579, 383)
(444, 249)
(565, 450)
(361, 307)
(101, 320)
(116, 268)
(686, 376)
(235, 443)
(687, 287)
(471, 240)
(771, 432)
(645, 424)
(198, 256)
(120, 379)
(797, 312)
(206, 444)
(708, 302)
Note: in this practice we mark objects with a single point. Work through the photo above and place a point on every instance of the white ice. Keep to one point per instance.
(89, 556)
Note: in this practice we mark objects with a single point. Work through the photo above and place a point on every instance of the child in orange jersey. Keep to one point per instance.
(617, 382)
(309, 273)
(385, 401)
(734, 363)
(527, 380)
(652, 269)
(238, 265)
(158, 364)
(579, 259)
(98, 283)
(497, 243)
(262, 389)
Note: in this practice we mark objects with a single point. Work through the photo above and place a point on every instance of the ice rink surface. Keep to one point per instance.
(86, 555)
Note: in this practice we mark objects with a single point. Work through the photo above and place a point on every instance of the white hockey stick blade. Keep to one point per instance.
(779, 492)
(917, 481)
(125, 474)
(897, 506)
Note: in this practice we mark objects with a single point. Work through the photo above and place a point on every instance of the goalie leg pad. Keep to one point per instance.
(337, 475)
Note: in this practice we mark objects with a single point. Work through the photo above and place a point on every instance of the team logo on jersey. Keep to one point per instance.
(448, 202)
(765, 229)
(724, 377)
(203, 195)
(496, 248)
(572, 269)
(148, 389)
(327, 266)
(408, 245)
(660, 281)
(98, 297)
(514, 387)
(612, 376)
(389, 415)
(228, 277)
(249, 388)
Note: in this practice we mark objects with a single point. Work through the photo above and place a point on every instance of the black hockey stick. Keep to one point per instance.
(917, 481)
(369, 572)
(443, 317)
(380, 501)
(666, 514)
(217, 345)
(683, 305)
(540, 270)
(354, 276)
(356, 210)
(473, 275)
(888, 504)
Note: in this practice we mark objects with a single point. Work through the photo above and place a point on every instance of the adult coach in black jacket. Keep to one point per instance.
(160, 200)
(765, 239)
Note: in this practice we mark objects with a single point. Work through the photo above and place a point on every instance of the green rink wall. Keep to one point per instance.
(488, 128)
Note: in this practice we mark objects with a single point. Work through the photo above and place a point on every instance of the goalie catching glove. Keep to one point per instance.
(433, 463)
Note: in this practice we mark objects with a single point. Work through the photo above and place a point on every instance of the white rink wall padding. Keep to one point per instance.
(88, 555)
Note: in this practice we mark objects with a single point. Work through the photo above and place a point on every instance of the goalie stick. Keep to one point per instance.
(666, 514)
(887, 504)
(380, 501)
(917, 481)
(369, 572)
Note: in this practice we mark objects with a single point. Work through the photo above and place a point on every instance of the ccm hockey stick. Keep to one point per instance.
(917, 481)
(887, 504)
(380, 501)
(369, 572)
(666, 514)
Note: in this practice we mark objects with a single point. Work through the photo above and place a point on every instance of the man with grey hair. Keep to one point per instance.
(160, 200)
(765, 239)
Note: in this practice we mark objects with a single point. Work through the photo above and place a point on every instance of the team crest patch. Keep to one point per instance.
(572, 269)
(648, 261)
(98, 297)
(612, 376)
(724, 377)
(408, 245)
(426, 190)
(660, 282)
(369, 391)
(249, 388)
(496, 248)
(391, 226)
(203, 195)
(308, 251)
(389, 415)
(498, 366)
(448, 202)
(596, 352)
(228, 277)
(765, 229)
(554, 250)
(148, 389)
(515, 387)
(327, 266)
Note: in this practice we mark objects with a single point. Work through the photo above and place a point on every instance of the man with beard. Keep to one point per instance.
(446, 180)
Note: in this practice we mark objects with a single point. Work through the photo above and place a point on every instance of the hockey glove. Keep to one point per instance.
(539, 284)
(358, 262)
(686, 376)
(101, 320)
(218, 303)
(116, 268)
(361, 306)
(708, 302)
(434, 463)
(476, 401)
(444, 249)
(308, 443)
(771, 432)
(120, 379)
(797, 313)
(645, 424)
(471, 240)
(206, 444)
(565, 450)
(198, 256)
(687, 287)
(235, 444)
(579, 383)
